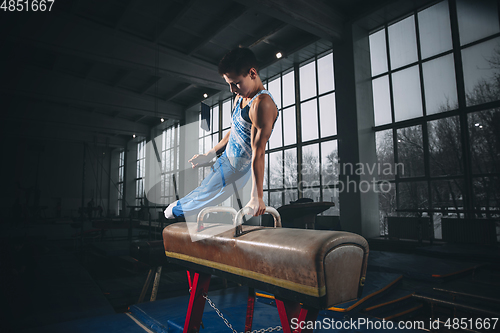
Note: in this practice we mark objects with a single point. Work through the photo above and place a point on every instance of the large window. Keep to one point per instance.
(280, 179)
(141, 172)
(220, 115)
(436, 92)
(208, 139)
(312, 144)
(170, 163)
(121, 170)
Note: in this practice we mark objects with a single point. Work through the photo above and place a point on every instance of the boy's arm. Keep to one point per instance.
(262, 114)
(202, 159)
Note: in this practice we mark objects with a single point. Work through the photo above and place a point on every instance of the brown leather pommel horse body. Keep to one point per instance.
(314, 267)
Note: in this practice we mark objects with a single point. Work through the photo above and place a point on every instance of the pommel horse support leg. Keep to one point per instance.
(307, 270)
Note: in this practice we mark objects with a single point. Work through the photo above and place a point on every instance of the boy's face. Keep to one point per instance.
(242, 85)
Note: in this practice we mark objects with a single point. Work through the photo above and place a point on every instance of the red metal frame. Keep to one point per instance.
(250, 308)
(289, 310)
(199, 284)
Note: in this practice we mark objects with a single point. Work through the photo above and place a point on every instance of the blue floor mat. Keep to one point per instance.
(169, 315)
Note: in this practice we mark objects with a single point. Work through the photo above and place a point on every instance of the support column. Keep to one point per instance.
(359, 212)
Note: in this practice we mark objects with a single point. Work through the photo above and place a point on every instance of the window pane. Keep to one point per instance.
(410, 152)
(276, 169)
(385, 155)
(435, 30)
(331, 195)
(208, 144)
(215, 139)
(307, 81)
(412, 195)
(226, 114)
(484, 127)
(312, 193)
(290, 195)
(201, 131)
(215, 119)
(276, 139)
(325, 74)
(381, 101)
(290, 168)
(486, 193)
(407, 94)
(327, 116)
(447, 194)
(445, 149)
(169, 138)
(141, 188)
(289, 129)
(200, 146)
(402, 43)
(386, 204)
(439, 85)
(275, 199)
(266, 198)
(265, 187)
(288, 89)
(310, 165)
(378, 53)
(476, 19)
(309, 120)
(481, 70)
(168, 161)
(275, 90)
(329, 163)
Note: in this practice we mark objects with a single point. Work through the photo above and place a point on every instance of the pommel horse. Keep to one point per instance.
(306, 270)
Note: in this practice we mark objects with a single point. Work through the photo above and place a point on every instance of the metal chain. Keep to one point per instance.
(262, 330)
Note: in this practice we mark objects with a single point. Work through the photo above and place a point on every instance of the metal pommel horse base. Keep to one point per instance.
(307, 270)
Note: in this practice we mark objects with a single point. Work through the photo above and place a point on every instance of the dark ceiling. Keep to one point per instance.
(99, 71)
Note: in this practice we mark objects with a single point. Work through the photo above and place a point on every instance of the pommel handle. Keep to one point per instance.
(206, 210)
(247, 210)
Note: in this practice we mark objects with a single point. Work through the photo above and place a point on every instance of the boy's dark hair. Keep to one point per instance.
(238, 61)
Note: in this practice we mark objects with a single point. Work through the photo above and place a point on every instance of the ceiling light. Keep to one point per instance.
(205, 95)
(279, 55)
(133, 136)
(162, 120)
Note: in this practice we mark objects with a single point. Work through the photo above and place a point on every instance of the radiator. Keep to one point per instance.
(409, 227)
(478, 231)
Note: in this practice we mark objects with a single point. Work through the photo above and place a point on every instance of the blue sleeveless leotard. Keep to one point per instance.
(233, 166)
